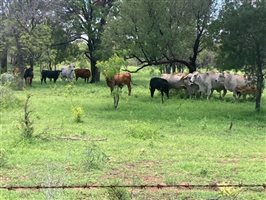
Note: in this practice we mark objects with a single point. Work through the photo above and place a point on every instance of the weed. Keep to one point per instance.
(77, 113)
(118, 193)
(229, 193)
(26, 122)
(7, 97)
(203, 123)
(142, 130)
(95, 158)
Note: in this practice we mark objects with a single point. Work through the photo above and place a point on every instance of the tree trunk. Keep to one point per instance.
(3, 61)
(19, 63)
(95, 73)
(259, 87)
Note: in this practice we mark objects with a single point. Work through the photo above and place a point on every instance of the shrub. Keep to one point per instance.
(95, 158)
(118, 193)
(229, 193)
(77, 113)
(26, 122)
(142, 130)
(7, 97)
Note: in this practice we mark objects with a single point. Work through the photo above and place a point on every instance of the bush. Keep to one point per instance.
(142, 130)
(118, 193)
(95, 158)
(26, 122)
(77, 113)
(7, 97)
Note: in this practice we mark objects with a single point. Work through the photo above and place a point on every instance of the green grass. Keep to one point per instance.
(144, 141)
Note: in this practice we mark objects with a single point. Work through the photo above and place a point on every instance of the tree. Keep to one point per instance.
(87, 19)
(160, 32)
(24, 30)
(241, 38)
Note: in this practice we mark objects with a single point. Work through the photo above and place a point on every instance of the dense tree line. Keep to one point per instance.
(230, 35)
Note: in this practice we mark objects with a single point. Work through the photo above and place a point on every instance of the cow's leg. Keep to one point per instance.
(41, 80)
(209, 93)
(162, 95)
(111, 88)
(129, 89)
(152, 90)
(224, 93)
(55, 79)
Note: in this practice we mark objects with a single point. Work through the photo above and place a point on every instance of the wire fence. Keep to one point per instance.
(156, 186)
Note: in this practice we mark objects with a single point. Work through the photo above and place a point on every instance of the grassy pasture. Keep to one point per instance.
(143, 142)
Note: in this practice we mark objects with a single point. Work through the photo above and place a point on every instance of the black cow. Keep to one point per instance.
(28, 76)
(159, 84)
(49, 74)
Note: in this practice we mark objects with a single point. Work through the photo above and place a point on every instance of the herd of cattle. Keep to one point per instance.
(194, 84)
(67, 73)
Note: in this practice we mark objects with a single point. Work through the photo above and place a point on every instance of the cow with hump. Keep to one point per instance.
(236, 83)
(160, 84)
(67, 73)
(119, 80)
(208, 82)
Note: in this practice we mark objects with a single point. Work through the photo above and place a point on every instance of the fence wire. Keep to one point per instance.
(158, 186)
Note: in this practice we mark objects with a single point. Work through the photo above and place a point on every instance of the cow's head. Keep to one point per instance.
(220, 77)
(195, 77)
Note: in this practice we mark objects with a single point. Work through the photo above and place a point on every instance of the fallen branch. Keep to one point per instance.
(71, 138)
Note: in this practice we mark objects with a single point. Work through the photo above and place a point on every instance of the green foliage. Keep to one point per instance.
(229, 193)
(156, 31)
(112, 66)
(118, 193)
(142, 130)
(26, 123)
(7, 97)
(95, 158)
(78, 113)
(240, 31)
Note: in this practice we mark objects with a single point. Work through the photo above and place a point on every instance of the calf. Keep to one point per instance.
(160, 84)
(49, 74)
(83, 73)
(246, 90)
(28, 76)
(120, 80)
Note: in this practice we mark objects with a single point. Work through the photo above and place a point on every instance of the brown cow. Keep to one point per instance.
(120, 80)
(244, 90)
(83, 73)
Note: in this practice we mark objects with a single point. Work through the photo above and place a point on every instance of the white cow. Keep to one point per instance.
(68, 73)
(192, 88)
(208, 82)
(233, 82)
(175, 80)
